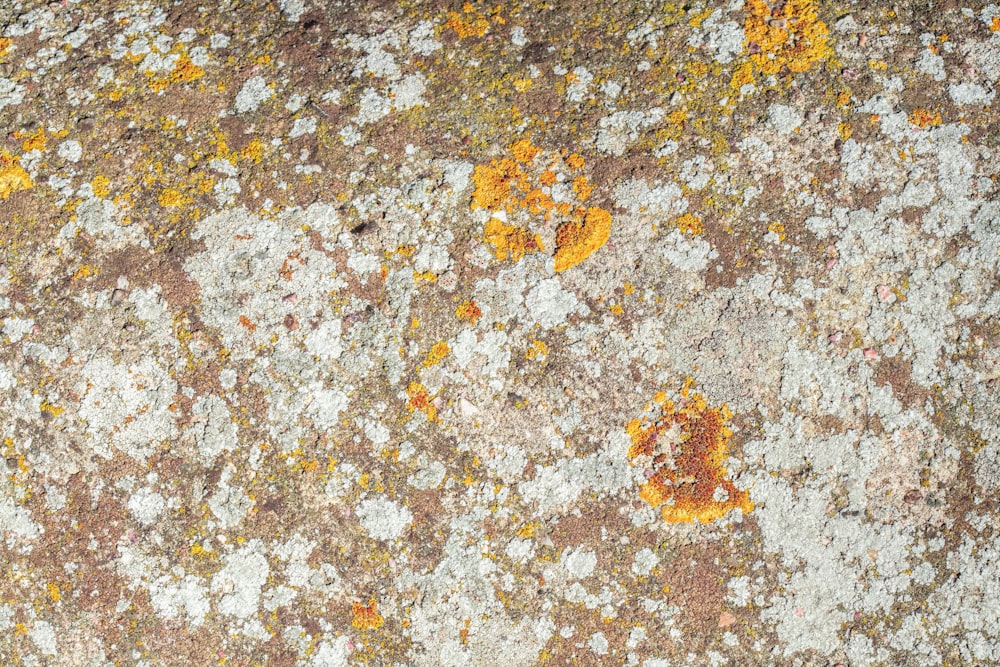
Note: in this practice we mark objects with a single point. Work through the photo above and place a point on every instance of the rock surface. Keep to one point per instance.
(416, 333)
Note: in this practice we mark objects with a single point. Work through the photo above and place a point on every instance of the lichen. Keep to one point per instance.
(683, 451)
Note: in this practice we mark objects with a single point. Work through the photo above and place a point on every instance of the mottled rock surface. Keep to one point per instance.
(422, 333)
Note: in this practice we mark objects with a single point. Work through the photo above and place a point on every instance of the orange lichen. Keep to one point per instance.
(34, 141)
(684, 451)
(789, 36)
(438, 352)
(582, 188)
(538, 349)
(510, 240)
(469, 312)
(13, 177)
(575, 241)
(689, 224)
(247, 324)
(468, 23)
(171, 198)
(185, 70)
(924, 118)
(504, 186)
(101, 186)
(493, 183)
(366, 616)
(420, 399)
(524, 150)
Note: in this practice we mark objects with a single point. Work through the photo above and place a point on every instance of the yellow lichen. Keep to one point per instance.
(689, 224)
(493, 183)
(185, 70)
(35, 142)
(468, 22)
(575, 241)
(171, 198)
(13, 177)
(524, 150)
(788, 36)
(537, 349)
(101, 186)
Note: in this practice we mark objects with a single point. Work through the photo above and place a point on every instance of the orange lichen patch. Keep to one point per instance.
(524, 151)
(366, 616)
(34, 142)
(254, 151)
(420, 399)
(537, 350)
(510, 240)
(5, 43)
(101, 186)
(684, 450)
(537, 201)
(582, 188)
(995, 24)
(185, 70)
(574, 161)
(923, 118)
(468, 22)
(778, 229)
(789, 36)
(438, 352)
(469, 312)
(689, 224)
(171, 198)
(53, 590)
(493, 183)
(247, 324)
(13, 177)
(85, 271)
(576, 241)
(742, 75)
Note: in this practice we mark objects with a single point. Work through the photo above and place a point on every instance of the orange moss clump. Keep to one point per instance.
(13, 177)
(924, 118)
(789, 36)
(469, 312)
(366, 616)
(511, 240)
(684, 451)
(575, 241)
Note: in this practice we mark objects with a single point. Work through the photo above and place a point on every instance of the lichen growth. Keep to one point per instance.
(684, 451)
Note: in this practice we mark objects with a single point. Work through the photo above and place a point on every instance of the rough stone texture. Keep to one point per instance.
(420, 333)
